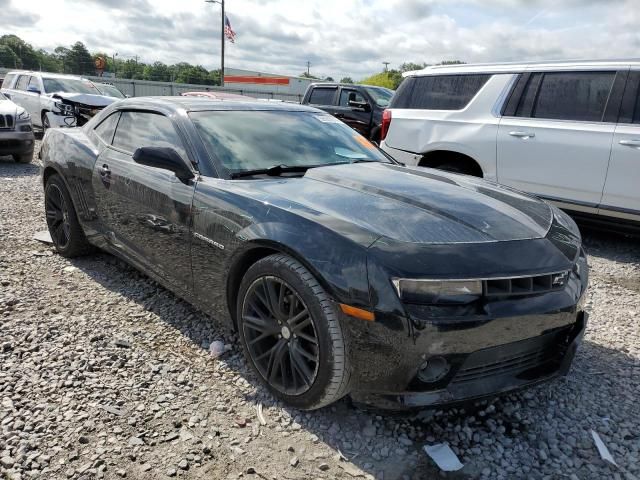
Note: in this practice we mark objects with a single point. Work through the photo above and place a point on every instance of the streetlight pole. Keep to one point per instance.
(222, 25)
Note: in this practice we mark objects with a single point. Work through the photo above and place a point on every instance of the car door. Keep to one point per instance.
(19, 93)
(358, 118)
(621, 196)
(556, 141)
(146, 211)
(32, 97)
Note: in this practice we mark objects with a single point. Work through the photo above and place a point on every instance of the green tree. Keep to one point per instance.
(346, 80)
(157, 71)
(27, 56)
(390, 79)
(81, 60)
(8, 58)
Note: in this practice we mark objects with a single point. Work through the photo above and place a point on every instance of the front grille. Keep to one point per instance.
(505, 287)
(6, 122)
(527, 359)
(9, 143)
(515, 364)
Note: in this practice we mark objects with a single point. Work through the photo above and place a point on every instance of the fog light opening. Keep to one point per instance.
(434, 369)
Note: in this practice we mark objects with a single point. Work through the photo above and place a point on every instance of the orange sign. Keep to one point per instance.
(256, 80)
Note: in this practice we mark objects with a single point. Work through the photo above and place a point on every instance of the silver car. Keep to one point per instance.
(16, 133)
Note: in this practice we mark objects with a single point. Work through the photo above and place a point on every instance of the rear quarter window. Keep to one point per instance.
(322, 96)
(438, 92)
(8, 80)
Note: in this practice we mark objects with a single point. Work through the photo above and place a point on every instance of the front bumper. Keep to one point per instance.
(14, 142)
(492, 371)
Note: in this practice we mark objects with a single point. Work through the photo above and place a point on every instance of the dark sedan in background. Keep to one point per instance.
(342, 271)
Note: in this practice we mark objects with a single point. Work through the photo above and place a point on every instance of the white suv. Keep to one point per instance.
(568, 132)
(54, 100)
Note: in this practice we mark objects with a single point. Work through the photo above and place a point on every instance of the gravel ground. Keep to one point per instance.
(104, 374)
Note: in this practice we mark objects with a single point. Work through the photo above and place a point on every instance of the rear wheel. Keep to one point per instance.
(65, 229)
(26, 158)
(291, 334)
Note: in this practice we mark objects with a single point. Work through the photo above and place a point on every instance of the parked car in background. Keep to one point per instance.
(342, 271)
(55, 100)
(359, 106)
(566, 131)
(217, 95)
(109, 90)
(16, 133)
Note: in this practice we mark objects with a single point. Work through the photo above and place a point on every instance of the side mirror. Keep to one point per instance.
(362, 105)
(33, 89)
(165, 158)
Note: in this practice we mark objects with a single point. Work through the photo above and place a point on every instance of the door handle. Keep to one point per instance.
(630, 143)
(519, 134)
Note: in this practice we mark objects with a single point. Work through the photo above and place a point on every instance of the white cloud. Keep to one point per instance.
(339, 37)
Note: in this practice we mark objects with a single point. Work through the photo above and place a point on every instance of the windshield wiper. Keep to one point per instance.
(272, 171)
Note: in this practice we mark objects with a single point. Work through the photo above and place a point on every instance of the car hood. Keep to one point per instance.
(85, 98)
(414, 205)
(7, 107)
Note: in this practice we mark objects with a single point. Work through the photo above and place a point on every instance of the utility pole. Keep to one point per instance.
(221, 2)
(386, 66)
(115, 69)
(308, 67)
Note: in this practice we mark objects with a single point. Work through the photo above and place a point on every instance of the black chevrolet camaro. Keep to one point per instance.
(342, 271)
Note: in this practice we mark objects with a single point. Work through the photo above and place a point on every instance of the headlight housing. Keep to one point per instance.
(64, 108)
(23, 116)
(438, 292)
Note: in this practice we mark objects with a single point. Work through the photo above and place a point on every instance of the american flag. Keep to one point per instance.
(228, 31)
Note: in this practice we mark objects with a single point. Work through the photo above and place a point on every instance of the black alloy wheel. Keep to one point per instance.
(292, 334)
(65, 229)
(45, 123)
(280, 335)
(57, 211)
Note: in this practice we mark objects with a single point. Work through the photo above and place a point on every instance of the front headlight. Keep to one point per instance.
(438, 292)
(64, 108)
(23, 116)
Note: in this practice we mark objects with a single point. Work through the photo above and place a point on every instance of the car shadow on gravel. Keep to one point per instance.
(517, 426)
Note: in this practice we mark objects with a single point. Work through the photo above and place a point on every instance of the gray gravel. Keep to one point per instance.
(104, 374)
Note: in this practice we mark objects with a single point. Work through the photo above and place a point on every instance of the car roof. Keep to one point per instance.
(508, 67)
(195, 104)
(46, 74)
(337, 84)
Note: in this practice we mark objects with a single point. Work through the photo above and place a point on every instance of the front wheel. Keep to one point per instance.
(291, 334)
(65, 229)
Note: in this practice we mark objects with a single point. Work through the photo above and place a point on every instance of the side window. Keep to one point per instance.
(107, 128)
(23, 81)
(630, 108)
(322, 96)
(441, 92)
(145, 129)
(34, 83)
(579, 96)
(350, 95)
(6, 83)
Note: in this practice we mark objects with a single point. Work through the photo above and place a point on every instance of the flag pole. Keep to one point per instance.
(222, 43)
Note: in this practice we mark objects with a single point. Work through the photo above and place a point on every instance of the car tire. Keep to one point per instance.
(45, 122)
(271, 333)
(26, 158)
(62, 221)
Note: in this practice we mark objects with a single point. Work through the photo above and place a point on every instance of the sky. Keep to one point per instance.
(339, 37)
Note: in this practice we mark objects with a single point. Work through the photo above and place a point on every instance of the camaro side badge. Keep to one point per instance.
(209, 241)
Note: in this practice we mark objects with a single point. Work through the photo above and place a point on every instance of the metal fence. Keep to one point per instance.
(145, 88)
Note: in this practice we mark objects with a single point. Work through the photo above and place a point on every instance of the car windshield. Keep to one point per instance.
(109, 90)
(253, 140)
(382, 96)
(69, 85)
